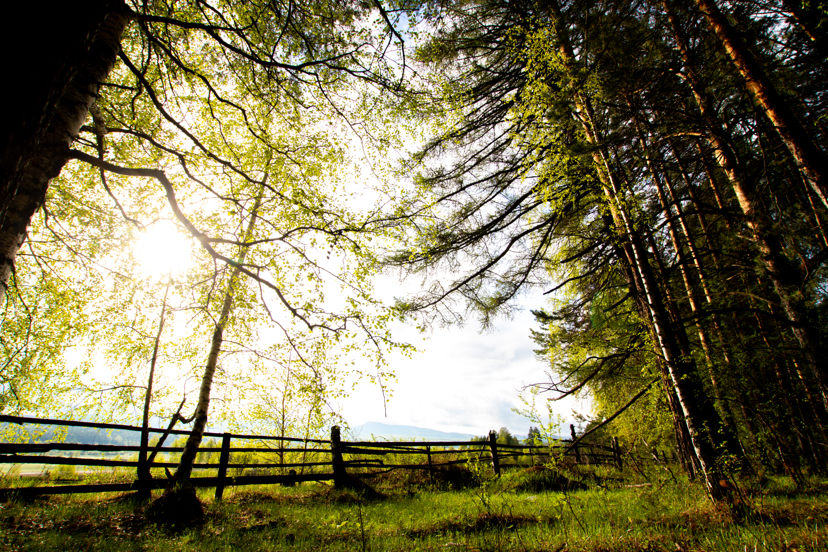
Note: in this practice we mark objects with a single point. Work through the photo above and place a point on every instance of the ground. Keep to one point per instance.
(524, 511)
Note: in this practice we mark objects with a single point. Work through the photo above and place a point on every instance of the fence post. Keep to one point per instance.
(224, 459)
(574, 437)
(430, 465)
(144, 482)
(493, 446)
(616, 453)
(340, 477)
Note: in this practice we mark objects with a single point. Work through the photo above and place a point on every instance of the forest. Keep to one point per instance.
(658, 168)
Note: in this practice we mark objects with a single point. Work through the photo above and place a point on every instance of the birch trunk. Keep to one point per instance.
(144, 475)
(188, 456)
(728, 427)
(684, 441)
(698, 416)
(33, 156)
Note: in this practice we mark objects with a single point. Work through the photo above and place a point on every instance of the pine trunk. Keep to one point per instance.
(784, 276)
(810, 159)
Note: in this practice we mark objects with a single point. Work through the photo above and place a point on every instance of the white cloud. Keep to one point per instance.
(463, 381)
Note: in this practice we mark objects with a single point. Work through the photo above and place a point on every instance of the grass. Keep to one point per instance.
(530, 510)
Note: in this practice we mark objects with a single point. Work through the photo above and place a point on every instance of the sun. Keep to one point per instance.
(163, 250)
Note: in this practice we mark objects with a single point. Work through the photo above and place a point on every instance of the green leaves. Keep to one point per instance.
(231, 103)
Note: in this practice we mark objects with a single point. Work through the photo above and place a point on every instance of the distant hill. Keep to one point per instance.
(91, 436)
(99, 436)
(367, 431)
(388, 431)
(96, 436)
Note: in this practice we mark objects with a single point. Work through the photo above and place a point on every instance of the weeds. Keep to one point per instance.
(525, 510)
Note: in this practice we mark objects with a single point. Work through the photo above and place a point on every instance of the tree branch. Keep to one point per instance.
(161, 177)
(614, 416)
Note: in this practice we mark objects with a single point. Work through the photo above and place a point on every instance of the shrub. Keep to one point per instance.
(10, 476)
(65, 471)
(540, 478)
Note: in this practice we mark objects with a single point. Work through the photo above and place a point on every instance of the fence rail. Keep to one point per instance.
(362, 458)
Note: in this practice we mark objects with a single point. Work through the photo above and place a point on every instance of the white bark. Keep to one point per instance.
(25, 183)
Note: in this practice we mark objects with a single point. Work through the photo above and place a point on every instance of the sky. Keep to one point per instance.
(463, 380)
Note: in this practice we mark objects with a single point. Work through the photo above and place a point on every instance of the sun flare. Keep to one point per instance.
(162, 249)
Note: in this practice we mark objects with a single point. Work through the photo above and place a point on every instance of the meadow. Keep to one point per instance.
(582, 508)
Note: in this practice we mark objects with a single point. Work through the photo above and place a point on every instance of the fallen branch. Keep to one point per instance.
(175, 418)
(611, 418)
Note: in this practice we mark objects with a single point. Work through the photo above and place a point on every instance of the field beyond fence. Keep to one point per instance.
(227, 459)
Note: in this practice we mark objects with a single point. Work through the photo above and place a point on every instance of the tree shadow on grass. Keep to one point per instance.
(480, 523)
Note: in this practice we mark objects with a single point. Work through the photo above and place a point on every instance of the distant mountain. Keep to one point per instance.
(388, 431)
(89, 436)
(365, 432)
(95, 436)
(99, 436)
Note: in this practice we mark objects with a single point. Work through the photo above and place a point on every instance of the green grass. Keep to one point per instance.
(525, 511)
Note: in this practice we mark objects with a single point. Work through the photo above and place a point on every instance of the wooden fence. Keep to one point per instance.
(276, 462)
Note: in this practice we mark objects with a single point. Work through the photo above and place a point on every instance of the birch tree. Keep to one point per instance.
(205, 114)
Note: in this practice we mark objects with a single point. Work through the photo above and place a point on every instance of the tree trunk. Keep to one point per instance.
(144, 475)
(188, 456)
(810, 159)
(699, 417)
(684, 441)
(728, 429)
(784, 275)
(55, 89)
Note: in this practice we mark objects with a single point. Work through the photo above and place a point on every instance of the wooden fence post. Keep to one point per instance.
(430, 465)
(575, 449)
(616, 453)
(224, 459)
(340, 476)
(144, 482)
(493, 446)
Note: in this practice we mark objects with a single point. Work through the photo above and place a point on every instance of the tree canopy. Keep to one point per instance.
(658, 166)
(234, 124)
(661, 163)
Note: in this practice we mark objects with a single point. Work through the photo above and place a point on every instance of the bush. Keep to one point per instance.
(10, 476)
(540, 478)
(66, 472)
